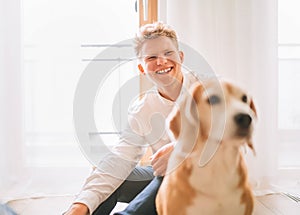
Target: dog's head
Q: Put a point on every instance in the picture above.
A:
(216, 110)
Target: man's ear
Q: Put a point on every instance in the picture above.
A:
(141, 69)
(181, 55)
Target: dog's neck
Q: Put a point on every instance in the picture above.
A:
(217, 152)
(208, 151)
(185, 147)
(203, 149)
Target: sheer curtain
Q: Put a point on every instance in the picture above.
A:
(239, 40)
(10, 94)
(44, 48)
(16, 179)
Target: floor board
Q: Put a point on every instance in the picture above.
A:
(277, 204)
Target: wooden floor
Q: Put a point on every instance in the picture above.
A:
(276, 204)
(264, 205)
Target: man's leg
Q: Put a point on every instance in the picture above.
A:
(132, 186)
(144, 203)
(5, 210)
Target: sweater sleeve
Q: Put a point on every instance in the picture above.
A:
(113, 169)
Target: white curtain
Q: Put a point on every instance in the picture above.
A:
(239, 40)
(39, 154)
(10, 94)
(17, 180)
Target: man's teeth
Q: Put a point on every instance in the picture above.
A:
(164, 71)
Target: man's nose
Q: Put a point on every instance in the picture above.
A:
(161, 60)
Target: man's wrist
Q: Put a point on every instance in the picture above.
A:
(78, 208)
(82, 207)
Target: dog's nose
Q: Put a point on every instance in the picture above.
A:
(243, 120)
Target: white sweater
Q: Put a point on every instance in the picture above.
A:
(146, 127)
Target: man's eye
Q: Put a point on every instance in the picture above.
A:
(168, 53)
(149, 58)
(214, 100)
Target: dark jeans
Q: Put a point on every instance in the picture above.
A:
(5, 210)
(139, 190)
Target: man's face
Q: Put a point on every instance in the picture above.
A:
(161, 61)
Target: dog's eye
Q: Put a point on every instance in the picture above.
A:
(214, 100)
(245, 98)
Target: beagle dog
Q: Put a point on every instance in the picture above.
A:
(206, 173)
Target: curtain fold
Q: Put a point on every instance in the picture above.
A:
(239, 40)
(11, 136)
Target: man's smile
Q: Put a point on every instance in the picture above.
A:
(164, 71)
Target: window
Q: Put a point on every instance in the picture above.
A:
(288, 82)
(59, 38)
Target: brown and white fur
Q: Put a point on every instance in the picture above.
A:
(206, 172)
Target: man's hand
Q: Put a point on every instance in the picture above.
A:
(77, 209)
(159, 160)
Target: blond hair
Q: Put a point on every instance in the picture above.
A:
(152, 31)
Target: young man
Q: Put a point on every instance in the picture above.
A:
(117, 178)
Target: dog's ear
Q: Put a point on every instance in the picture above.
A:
(249, 141)
(253, 108)
(186, 114)
(189, 108)
(196, 92)
(175, 122)
(250, 145)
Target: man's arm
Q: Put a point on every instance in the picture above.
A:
(110, 173)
